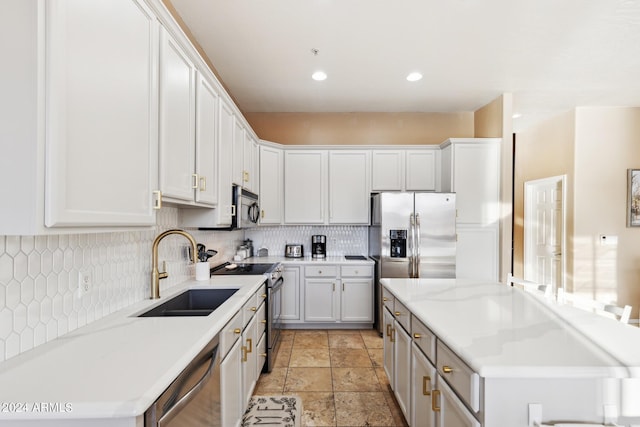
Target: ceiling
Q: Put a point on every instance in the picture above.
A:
(552, 55)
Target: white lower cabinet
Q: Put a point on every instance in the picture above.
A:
(450, 411)
(335, 293)
(423, 380)
(231, 387)
(290, 293)
(402, 368)
(388, 345)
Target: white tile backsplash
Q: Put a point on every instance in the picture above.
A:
(39, 298)
(341, 240)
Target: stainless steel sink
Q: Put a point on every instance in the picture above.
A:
(193, 302)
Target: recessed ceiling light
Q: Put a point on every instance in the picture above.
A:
(414, 77)
(319, 76)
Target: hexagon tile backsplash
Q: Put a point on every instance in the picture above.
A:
(39, 296)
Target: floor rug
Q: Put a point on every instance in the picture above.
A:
(282, 411)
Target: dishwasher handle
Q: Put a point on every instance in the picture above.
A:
(172, 407)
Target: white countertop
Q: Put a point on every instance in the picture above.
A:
(304, 260)
(119, 365)
(503, 332)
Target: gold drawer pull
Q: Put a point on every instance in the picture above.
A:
(264, 296)
(263, 321)
(393, 334)
(388, 329)
(435, 397)
(237, 331)
(426, 381)
(253, 308)
(417, 336)
(250, 342)
(263, 354)
(385, 299)
(397, 313)
(244, 353)
(447, 369)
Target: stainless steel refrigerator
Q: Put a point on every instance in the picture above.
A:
(412, 235)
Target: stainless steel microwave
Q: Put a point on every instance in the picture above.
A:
(247, 209)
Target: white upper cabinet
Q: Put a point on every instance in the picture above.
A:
(271, 171)
(238, 153)
(81, 148)
(420, 170)
(177, 121)
(250, 175)
(387, 170)
(404, 170)
(471, 169)
(305, 186)
(349, 186)
(206, 137)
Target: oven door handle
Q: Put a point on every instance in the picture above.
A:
(278, 283)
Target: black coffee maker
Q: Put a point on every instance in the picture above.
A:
(318, 246)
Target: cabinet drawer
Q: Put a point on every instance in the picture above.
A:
(460, 377)
(356, 271)
(424, 338)
(387, 299)
(402, 315)
(321, 271)
(230, 334)
(261, 294)
(249, 309)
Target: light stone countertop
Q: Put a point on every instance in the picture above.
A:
(115, 367)
(504, 332)
(304, 260)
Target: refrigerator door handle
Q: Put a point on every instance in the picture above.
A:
(412, 245)
(417, 248)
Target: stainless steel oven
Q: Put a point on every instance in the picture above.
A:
(193, 398)
(273, 275)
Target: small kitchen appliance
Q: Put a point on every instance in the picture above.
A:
(318, 246)
(293, 250)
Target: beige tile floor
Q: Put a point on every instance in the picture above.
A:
(339, 376)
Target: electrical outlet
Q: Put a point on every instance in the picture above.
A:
(84, 281)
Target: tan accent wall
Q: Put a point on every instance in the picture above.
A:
(607, 144)
(360, 128)
(494, 120)
(544, 151)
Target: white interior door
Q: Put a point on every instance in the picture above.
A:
(544, 231)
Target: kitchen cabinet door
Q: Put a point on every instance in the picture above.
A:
(231, 386)
(420, 170)
(271, 182)
(238, 153)
(320, 303)
(423, 381)
(477, 252)
(349, 186)
(305, 186)
(290, 293)
(225, 153)
(206, 139)
(387, 170)
(249, 359)
(389, 341)
(177, 121)
(450, 411)
(250, 176)
(356, 304)
(101, 120)
(402, 368)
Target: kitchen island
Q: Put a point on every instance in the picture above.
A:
(109, 372)
(497, 356)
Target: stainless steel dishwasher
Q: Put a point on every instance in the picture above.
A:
(193, 398)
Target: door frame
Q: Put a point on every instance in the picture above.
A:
(530, 224)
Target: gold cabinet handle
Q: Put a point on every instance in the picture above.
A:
(263, 354)
(265, 321)
(237, 331)
(245, 176)
(244, 353)
(253, 309)
(417, 336)
(203, 183)
(250, 342)
(397, 313)
(426, 382)
(447, 369)
(263, 296)
(385, 299)
(435, 397)
(393, 335)
(194, 180)
(262, 213)
(388, 330)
